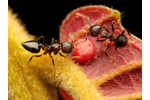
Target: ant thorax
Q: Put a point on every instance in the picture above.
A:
(104, 34)
(53, 48)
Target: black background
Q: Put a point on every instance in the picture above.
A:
(44, 17)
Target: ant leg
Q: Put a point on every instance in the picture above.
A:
(62, 55)
(119, 52)
(106, 28)
(127, 32)
(53, 62)
(106, 49)
(84, 40)
(36, 56)
(68, 55)
(101, 40)
(112, 25)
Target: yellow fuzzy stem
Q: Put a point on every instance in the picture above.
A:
(23, 83)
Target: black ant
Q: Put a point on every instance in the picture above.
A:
(35, 46)
(95, 30)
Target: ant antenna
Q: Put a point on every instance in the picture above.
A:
(123, 14)
(128, 33)
(71, 38)
(41, 37)
(82, 41)
(84, 17)
(52, 42)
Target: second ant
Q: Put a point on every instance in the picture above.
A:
(94, 30)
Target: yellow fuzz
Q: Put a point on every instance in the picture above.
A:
(23, 83)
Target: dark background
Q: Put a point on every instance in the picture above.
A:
(44, 17)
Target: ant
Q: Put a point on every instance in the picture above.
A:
(95, 30)
(35, 46)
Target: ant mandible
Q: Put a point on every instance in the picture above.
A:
(35, 46)
(95, 30)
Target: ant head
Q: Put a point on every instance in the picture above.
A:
(31, 46)
(94, 30)
(121, 41)
(67, 47)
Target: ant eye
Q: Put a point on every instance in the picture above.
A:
(94, 30)
(67, 47)
(31, 46)
(121, 41)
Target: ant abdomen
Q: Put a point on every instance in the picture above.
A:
(31, 46)
(121, 41)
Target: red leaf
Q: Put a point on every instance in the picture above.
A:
(116, 76)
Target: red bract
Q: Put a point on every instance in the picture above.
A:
(84, 50)
(115, 76)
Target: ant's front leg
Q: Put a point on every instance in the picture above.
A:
(62, 55)
(106, 28)
(69, 56)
